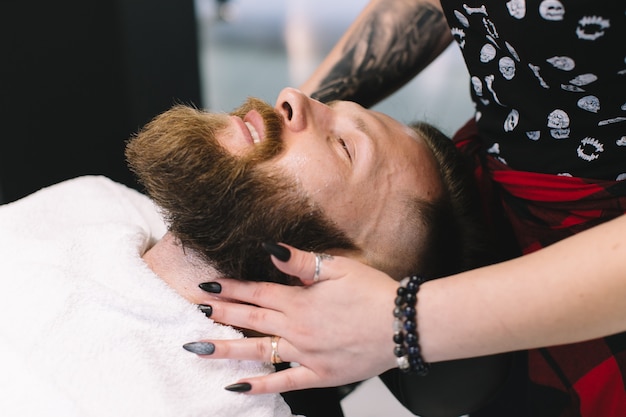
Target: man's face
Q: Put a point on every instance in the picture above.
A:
(359, 166)
(228, 182)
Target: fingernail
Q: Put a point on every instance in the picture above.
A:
(212, 287)
(239, 387)
(280, 252)
(200, 348)
(206, 309)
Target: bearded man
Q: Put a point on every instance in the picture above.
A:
(102, 282)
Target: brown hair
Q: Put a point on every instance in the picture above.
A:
(453, 225)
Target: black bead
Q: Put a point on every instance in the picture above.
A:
(414, 351)
(410, 326)
(411, 299)
(398, 338)
(412, 287)
(399, 351)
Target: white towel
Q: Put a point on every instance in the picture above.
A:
(87, 329)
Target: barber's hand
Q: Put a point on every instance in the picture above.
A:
(339, 330)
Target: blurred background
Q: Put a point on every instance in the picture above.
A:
(265, 46)
(78, 77)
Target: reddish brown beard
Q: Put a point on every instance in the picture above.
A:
(223, 206)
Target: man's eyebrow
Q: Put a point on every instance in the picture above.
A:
(360, 123)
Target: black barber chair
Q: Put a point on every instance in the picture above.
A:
(78, 77)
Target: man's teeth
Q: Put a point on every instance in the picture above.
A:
(253, 133)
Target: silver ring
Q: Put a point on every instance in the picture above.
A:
(319, 257)
(275, 357)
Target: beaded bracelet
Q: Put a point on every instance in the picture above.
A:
(407, 349)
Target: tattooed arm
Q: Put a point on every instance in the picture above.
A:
(386, 46)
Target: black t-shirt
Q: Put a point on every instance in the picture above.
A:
(548, 78)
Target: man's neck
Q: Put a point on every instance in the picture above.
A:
(182, 269)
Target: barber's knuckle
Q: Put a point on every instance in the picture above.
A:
(291, 383)
(301, 333)
(256, 316)
(263, 348)
(261, 291)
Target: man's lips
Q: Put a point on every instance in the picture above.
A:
(241, 125)
(256, 126)
(249, 131)
(253, 133)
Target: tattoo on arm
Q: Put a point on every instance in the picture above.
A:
(384, 53)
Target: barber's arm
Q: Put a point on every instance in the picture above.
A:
(340, 329)
(385, 47)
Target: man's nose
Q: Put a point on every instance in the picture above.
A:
(301, 112)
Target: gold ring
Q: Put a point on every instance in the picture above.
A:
(275, 357)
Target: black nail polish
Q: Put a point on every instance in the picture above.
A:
(200, 348)
(280, 252)
(206, 309)
(239, 387)
(212, 287)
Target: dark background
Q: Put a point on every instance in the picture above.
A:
(78, 78)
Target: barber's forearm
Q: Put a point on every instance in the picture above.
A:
(571, 291)
(384, 48)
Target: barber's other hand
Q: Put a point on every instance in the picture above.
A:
(339, 330)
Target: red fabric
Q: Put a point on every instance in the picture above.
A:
(543, 187)
(543, 209)
(597, 389)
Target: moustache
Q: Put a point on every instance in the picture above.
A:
(273, 123)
